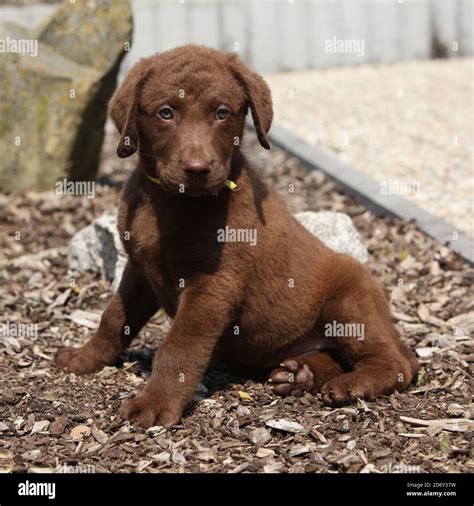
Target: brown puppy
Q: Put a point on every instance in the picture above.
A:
(262, 292)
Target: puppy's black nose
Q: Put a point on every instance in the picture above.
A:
(197, 167)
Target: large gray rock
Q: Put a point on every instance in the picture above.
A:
(54, 92)
(336, 231)
(98, 247)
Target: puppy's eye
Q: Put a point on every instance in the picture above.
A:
(222, 113)
(166, 113)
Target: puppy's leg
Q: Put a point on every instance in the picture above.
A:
(374, 375)
(380, 363)
(203, 315)
(304, 374)
(131, 307)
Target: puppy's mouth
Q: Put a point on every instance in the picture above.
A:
(196, 189)
(193, 187)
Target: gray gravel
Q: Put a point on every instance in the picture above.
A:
(404, 122)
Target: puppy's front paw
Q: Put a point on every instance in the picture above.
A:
(346, 389)
(83, 360)
(146, 410)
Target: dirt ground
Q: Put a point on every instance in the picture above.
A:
(58, 422)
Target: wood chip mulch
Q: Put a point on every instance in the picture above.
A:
(57, 422)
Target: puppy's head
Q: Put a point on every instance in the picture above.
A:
(184, 111)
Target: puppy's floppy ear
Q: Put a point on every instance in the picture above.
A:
(258, 96)
(123, 108)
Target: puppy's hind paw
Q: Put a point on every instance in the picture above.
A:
(346, 389)
(293, 378)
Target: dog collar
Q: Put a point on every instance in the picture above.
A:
(230, 184)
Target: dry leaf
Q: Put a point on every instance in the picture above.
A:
(244, 396)
(80, 432)
(40, 426)
(286, 426)
(454, 425)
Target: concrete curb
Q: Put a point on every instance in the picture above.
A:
(367, 190)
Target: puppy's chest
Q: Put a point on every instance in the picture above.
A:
(169, 249)
(141, 238)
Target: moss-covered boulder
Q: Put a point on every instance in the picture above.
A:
(53, 100)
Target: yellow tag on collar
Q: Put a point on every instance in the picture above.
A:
(153, 179)
(230, 184)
